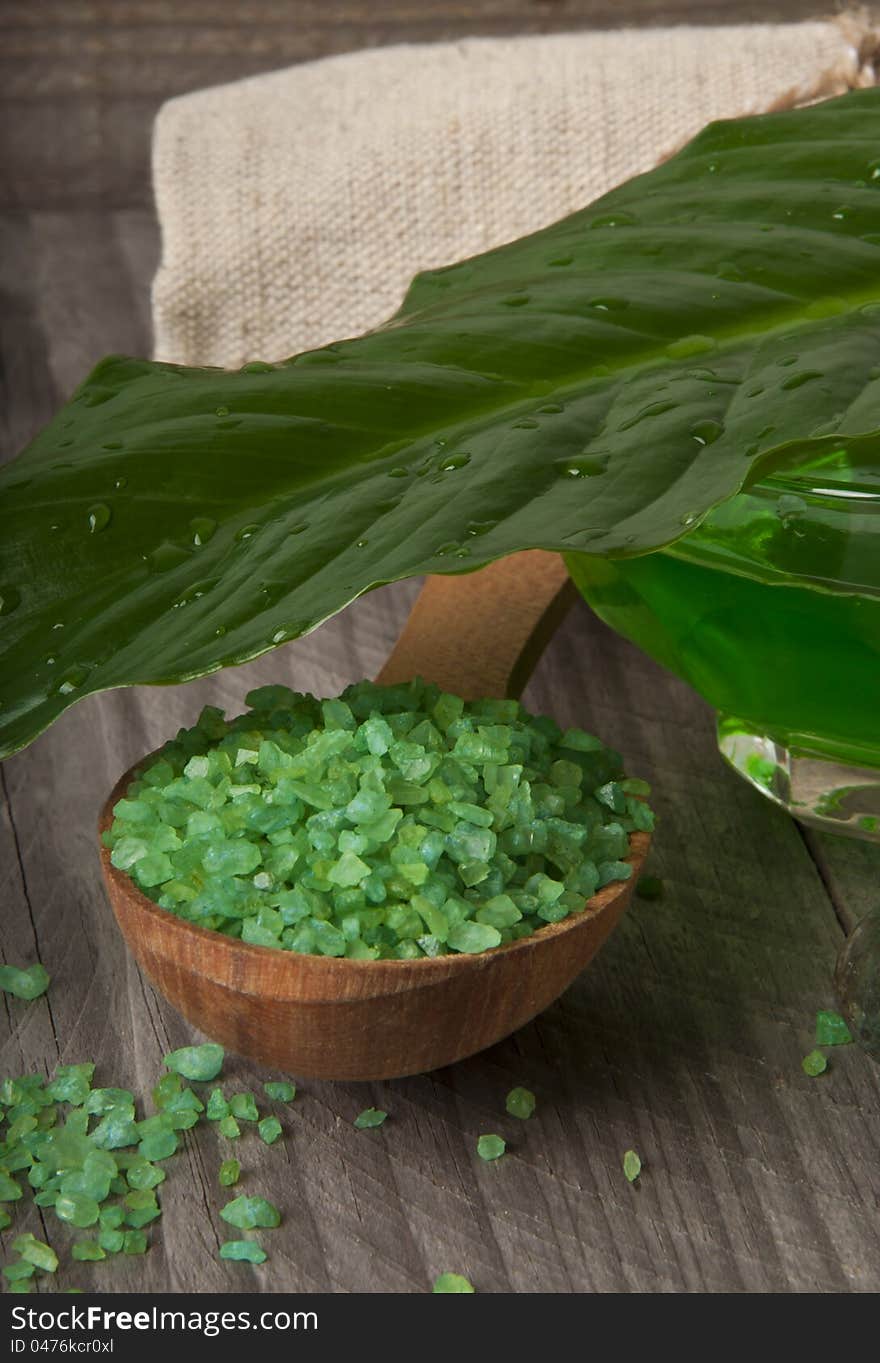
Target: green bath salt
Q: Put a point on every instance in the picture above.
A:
(245, 1251)
(247, 1212)
(392, 823)
(520, 1103)
(229, 1173)
(24, 982)
(831, 1029)
(280, 1090)
(84, 1160)
(196, 1062)
(270, 1129)
(632, 1165)
(370, 1117)
(452, 1282)
(814, 1064)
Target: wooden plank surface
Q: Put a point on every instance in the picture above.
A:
(80, 80)
(683, 1041)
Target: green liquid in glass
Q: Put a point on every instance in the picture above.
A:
(771, 610)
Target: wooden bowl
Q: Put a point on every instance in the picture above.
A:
(330, 1018)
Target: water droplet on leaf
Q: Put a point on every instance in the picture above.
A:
(203, 528)
(166, 556)
(100, 516)
(653, 409)
(798, 380)
(193, 593)
(72, 679)
(585, 466)
(619, 219)
(706, 432)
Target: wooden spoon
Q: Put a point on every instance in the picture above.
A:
(476, 634)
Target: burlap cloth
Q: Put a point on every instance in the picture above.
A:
(295, 207)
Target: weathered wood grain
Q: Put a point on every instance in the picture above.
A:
(683, 1040)
(80, 80)
(851, 872)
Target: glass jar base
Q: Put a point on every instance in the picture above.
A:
(839, 796)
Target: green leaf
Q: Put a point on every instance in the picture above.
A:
(596, 387)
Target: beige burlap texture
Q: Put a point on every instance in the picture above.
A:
(295, 207)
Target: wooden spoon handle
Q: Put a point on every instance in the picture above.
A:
(481, 634)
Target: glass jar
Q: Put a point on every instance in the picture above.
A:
(771, 610)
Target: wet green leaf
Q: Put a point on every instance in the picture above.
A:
(596, 387)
